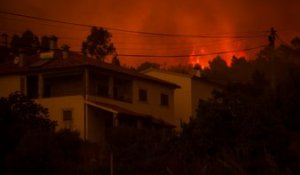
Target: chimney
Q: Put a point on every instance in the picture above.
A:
(65, 51)
(53, 42)
(197, 70)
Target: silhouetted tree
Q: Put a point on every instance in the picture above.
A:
(240, 70)
(296, 42)
(241, 131)
(15, 44)
(30, 145)
(218, 64)
(45, 43)
(61, 153)
(217, 71)
(20, 116)
(98, 44)
(139, 151)
(28, 43)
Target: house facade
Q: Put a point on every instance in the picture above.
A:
(89, 96)
(193, 88)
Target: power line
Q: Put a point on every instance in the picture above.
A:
(178, 46)
(193, 55)
(137, 33)
(130, 31)
(282, 41)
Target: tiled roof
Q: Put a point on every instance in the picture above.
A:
(74, 60)
(121, 110)
(185, 75)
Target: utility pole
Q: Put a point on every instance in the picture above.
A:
(272, 38)
(115, 123)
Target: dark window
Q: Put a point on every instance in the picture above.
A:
(164, 100)
(122, 90)
(32, 86)
(68, 118)
(47, 90)
(143, 96)
(109, 123)
(67, 115)
(99, 84)
(102, 90)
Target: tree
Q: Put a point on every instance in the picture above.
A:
(30, 145)
(28, 43)
(240, 70)
(139, 151)
(20, 116)
(296, 42)
(61, 153)
(98, 44)
(217, 71)
(241, 130)
(15, 44)
(218, 64)
(45, 43)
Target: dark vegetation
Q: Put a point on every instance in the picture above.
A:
(30, 145)
(97, 45)
(250, 127)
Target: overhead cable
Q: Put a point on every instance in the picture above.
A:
(130, 31)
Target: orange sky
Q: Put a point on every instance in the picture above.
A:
(195, 17)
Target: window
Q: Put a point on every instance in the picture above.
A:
(32, 86)
(47, 90)
(68, 118)
(164, 100)
(143, 96)
(122, 90)
(102, 89)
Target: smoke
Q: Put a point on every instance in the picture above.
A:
(208, 17)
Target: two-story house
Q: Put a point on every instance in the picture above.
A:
(193, 88)
(90, 96)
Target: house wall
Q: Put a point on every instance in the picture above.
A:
(152, 106)
(56, 105)
(98, 121)
(182, 96)
(9, 84)
(200, 90)
(64, 85)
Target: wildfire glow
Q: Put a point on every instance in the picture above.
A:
(197, 55)
(196, 58)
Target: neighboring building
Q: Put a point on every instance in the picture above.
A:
(92, 97)
(193, 88)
